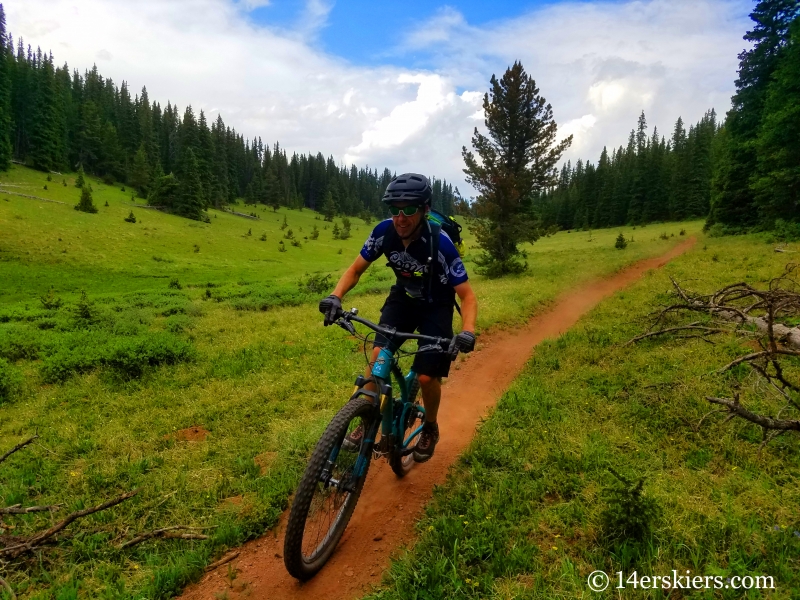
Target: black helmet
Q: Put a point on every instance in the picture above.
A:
(408, 187)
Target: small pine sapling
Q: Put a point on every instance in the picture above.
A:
(86, 204)
(130, 218)
(621, 242)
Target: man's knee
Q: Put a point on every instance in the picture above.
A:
(427, 380)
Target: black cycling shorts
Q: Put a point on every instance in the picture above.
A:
(410, 315)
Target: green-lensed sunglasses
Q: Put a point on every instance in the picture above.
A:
(406, 210)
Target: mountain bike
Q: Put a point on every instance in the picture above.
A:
(335, 475)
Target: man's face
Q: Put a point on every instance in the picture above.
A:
(405, 226)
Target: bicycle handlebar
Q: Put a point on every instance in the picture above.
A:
(444, 345)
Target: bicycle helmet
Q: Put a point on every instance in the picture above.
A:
(408, 187)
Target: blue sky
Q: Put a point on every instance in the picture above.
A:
(369, 32)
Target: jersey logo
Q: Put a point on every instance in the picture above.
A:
(407, 263)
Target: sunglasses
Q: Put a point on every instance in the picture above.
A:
(406, 210)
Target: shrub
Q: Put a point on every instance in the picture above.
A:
(49, 177)
(785, 231)
(621, 242)
(10, 381)
(314, 233)
(285, 223)
(717, 230)
(315, 284)
(663, 236)
(84, 309)
(50, 301)
(263, 237)
(130, 357)
(249, 232)
(281, 247)
(196, 248)
(296, 243)
(629, 514)
(108, 179)
(175, 284)
(682, 232)
(19, 343)
(45, 187)
(289, 234)
(85, 204)
(130, 218)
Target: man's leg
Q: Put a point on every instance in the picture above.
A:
(431, 395)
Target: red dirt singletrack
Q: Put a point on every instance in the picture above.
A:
(389, 507)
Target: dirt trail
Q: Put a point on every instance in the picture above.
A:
(379, 526)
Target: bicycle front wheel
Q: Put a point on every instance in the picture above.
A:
(328, 491)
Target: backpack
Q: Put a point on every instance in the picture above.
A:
(436, 222)
(450, 226)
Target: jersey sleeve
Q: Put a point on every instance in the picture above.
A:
(373, 247)
(453, 270)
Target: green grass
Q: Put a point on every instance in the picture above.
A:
(227, 338)
(530, 509)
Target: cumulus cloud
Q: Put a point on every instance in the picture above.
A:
(599, 64)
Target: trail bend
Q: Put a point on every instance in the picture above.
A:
(378, 527)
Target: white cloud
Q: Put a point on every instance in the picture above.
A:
(598, 64)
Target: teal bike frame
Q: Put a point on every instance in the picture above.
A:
(394, 412)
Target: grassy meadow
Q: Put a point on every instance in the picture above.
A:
(188, 360)
(532, 507)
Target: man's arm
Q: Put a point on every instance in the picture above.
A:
(350, 277)
(469, 306)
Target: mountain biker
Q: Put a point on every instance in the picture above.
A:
(424, 296)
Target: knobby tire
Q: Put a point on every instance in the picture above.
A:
(300, 565)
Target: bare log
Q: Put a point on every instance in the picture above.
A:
(35, 540)
(737, 409)
(223, 561)
(19, 446)
(18, 510)
(166, 532)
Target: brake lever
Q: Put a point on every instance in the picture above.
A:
(452, 350)
(346, 325)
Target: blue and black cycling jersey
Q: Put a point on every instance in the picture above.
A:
(411, 264)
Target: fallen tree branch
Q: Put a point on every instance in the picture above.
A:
(19, 446)
(31, 542)
(737, 409)
(691, 327)
(18, 510)
(223, 561)
(166, 532)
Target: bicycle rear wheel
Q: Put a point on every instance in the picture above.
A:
(328, 492)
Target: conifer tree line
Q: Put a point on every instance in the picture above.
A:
(743, 174)
(56, 120)
(650, 179)
(757, 177)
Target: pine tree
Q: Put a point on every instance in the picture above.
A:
(80, 180)
(189, 202)
(5, 95)
(733, 199)
(515, 163)
(140, 172)
(329, 207)
(777, 184)
(86, 204)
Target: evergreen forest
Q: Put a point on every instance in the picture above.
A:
(54, 119)
(742, 174)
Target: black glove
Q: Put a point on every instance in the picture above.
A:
(465, 341)
(331, 307)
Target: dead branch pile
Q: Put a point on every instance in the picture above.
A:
(766, 317)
